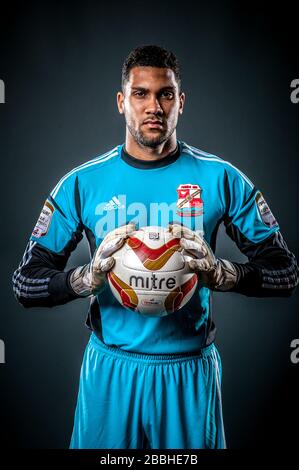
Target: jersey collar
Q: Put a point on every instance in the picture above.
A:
(147, 165)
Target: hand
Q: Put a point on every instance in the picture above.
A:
(214, 273)
(90, 278)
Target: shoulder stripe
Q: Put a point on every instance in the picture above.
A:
(214, 158)
(95, 161)
(202, 153)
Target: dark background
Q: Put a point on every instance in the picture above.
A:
(61, 66)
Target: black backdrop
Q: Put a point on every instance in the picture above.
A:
(60, 63)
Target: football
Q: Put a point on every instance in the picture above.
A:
(151, 274)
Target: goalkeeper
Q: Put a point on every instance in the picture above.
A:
(152, 382)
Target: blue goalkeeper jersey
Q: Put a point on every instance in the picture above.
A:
(189, 186)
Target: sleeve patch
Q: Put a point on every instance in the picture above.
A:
(264, 211)
(43, 223)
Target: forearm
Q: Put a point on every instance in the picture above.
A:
(40, 280)
(60, 289)
(267, 277)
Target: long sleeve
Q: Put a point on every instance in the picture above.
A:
(40, 279)
(272, 269)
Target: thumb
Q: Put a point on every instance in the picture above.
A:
(198, 264)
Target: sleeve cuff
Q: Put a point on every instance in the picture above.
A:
(60, 288)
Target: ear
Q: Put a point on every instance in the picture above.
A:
(182, 102)
(120, 102)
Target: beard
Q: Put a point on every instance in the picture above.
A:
(150, 141)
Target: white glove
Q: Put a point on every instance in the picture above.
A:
(214, 273)
(90, 278)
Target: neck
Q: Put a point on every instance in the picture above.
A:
(142, 152)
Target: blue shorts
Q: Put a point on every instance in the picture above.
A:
(138, 401)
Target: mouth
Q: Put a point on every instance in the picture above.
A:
(153, 124)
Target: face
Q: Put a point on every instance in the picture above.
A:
(151, 103)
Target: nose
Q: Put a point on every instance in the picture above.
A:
(153, 106)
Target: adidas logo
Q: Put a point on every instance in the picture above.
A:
(113, 204)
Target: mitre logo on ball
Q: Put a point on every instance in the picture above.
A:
(151, 274)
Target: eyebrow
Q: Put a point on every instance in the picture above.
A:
(140, 88)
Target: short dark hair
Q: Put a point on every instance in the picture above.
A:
(150, 56)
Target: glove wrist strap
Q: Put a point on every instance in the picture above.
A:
(79, 281)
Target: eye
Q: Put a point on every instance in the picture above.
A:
(138, 93)
(167, 94)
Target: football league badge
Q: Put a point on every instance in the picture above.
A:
(43, 223)
(264, 211)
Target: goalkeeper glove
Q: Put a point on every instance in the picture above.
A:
(90, 278)
(214, 273)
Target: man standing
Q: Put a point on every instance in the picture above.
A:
(152, 382)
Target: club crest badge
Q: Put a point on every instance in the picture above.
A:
(189, 203)
(264, 211)
(43, 223)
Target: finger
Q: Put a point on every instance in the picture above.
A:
(110, 247)
(196, 249)
(184, 232)
(103, 266)
(198, 265)
(123, 230)
(179, 231)
(106, 264)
